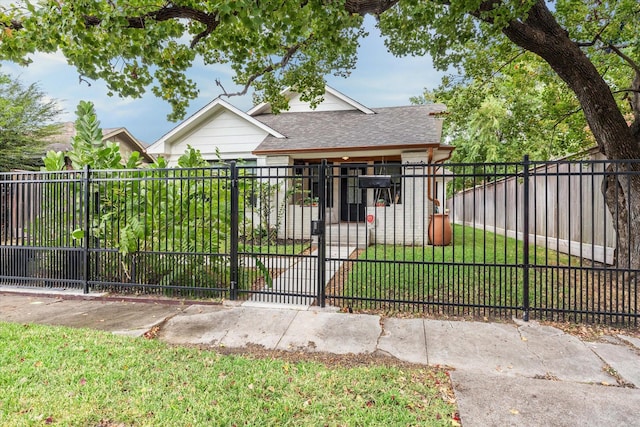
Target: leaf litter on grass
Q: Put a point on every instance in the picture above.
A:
(94, 378)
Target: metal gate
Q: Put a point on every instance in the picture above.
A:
(278, 218)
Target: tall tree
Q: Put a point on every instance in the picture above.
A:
(497, 111)
(142, 43)
(26, 123)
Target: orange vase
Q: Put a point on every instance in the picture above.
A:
(439, 229)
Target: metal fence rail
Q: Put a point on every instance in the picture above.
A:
(492, 240)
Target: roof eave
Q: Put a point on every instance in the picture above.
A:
(281, 151)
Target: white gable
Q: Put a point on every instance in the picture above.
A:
(332, 101)
(218, 125)
(233, 136)
(329, 103)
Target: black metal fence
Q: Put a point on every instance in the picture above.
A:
(491, 240)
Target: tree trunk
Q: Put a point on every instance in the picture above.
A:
(541, 34)
(621, 190)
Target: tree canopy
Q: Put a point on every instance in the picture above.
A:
(142, 44)
(500, 111)
(26, 121)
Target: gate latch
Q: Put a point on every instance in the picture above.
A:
(317, 228)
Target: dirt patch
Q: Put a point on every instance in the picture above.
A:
(328, 359)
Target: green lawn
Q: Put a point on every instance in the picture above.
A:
(478, 268)
(70, 377)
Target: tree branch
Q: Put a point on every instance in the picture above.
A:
(626, 59)
(566, 116)
(374, 7)
(595, 38)
(166, 13)
(283, 63)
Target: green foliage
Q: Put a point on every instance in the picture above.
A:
(144, 44)
(26, 124)
(183, 213)
(295, 45)
(88, 148)
(141, 44)
(499, 116)
(54, 160)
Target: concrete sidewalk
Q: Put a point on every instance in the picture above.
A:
(504, 374)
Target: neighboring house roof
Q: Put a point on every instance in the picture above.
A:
(62, 141)
(390, 127)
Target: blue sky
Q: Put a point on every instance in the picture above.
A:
(379, 80)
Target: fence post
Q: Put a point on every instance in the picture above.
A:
(87, 229)
(233, 256)
(525, 239)
(322, 249)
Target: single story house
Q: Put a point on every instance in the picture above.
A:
(354, 139)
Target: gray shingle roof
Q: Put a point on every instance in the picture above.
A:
(319, 130)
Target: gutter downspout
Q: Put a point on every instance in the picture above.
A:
(431, 181)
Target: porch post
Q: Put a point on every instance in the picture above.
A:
(416, 205)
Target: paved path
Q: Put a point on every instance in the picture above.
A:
(300, 277)
(504, 374)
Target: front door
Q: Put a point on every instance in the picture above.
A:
(352, 197)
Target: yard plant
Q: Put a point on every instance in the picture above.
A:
(77, 377)
(157, 226)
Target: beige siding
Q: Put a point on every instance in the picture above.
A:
(232, 135)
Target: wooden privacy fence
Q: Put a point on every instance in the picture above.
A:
(20, 196)
(565, 204)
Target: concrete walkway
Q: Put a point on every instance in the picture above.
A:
(504, 374)
(300, 278)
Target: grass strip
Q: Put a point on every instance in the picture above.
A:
(77, 377)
